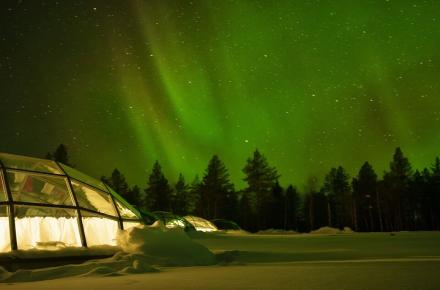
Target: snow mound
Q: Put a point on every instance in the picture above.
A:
(165, 247)
(347, 230)
(332, 231)
(141, 248)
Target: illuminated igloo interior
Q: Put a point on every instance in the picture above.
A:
(48, 205)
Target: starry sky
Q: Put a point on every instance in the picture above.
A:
(312, 84)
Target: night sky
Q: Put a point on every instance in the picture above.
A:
(312, 84)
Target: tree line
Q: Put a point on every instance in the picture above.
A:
(402, 199)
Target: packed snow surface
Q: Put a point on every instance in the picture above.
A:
(403, 260)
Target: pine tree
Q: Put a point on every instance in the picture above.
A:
(194, 197)
(420, 200)
(158, 191)
(427, 202)
(117, 182)
(277, 207)
(435, 194)
(261, 179)
(136, 197)
(217, 192)
(246, 217)
(307, 222)
(314, 211)
(397, 182)
(337, 189)
(365, 206)
(181, 197)
(321, 212)
(292, 205)
(59, 155)
(308, 204)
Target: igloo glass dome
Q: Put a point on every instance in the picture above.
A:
(48, 205)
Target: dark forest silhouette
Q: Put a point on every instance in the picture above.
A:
(403, 199)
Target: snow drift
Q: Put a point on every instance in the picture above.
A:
(332, 231)
(142, 248)
(166, 247)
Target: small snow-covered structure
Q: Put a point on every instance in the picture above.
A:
(200, 224)
(46, 205)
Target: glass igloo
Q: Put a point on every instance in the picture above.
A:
(48, 205)
(200, 224)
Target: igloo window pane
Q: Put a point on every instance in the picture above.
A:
(99, 230)
(39, 188)
(83, 177)
(93, 199)
(46, 228)
(3, 196)
(29, 163)
(5, 240)
(124, 211)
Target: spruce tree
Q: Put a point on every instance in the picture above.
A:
(61, 155)
(397, 183)
(427, 202)
(136, 197)
(158, 190)
(435, 194)
(217, 192)
(194, 206)
(261, 179)
(291, 208)
(245, 213)
(118, 183)
(419, 198)
(181, 197)
(308, 204)
(314, 211)
(277, 207)
(337, 190)
(365, 206)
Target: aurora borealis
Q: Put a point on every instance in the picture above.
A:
(312, 84)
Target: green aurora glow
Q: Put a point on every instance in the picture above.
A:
(312, 84)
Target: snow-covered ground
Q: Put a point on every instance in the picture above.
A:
(160, 259)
